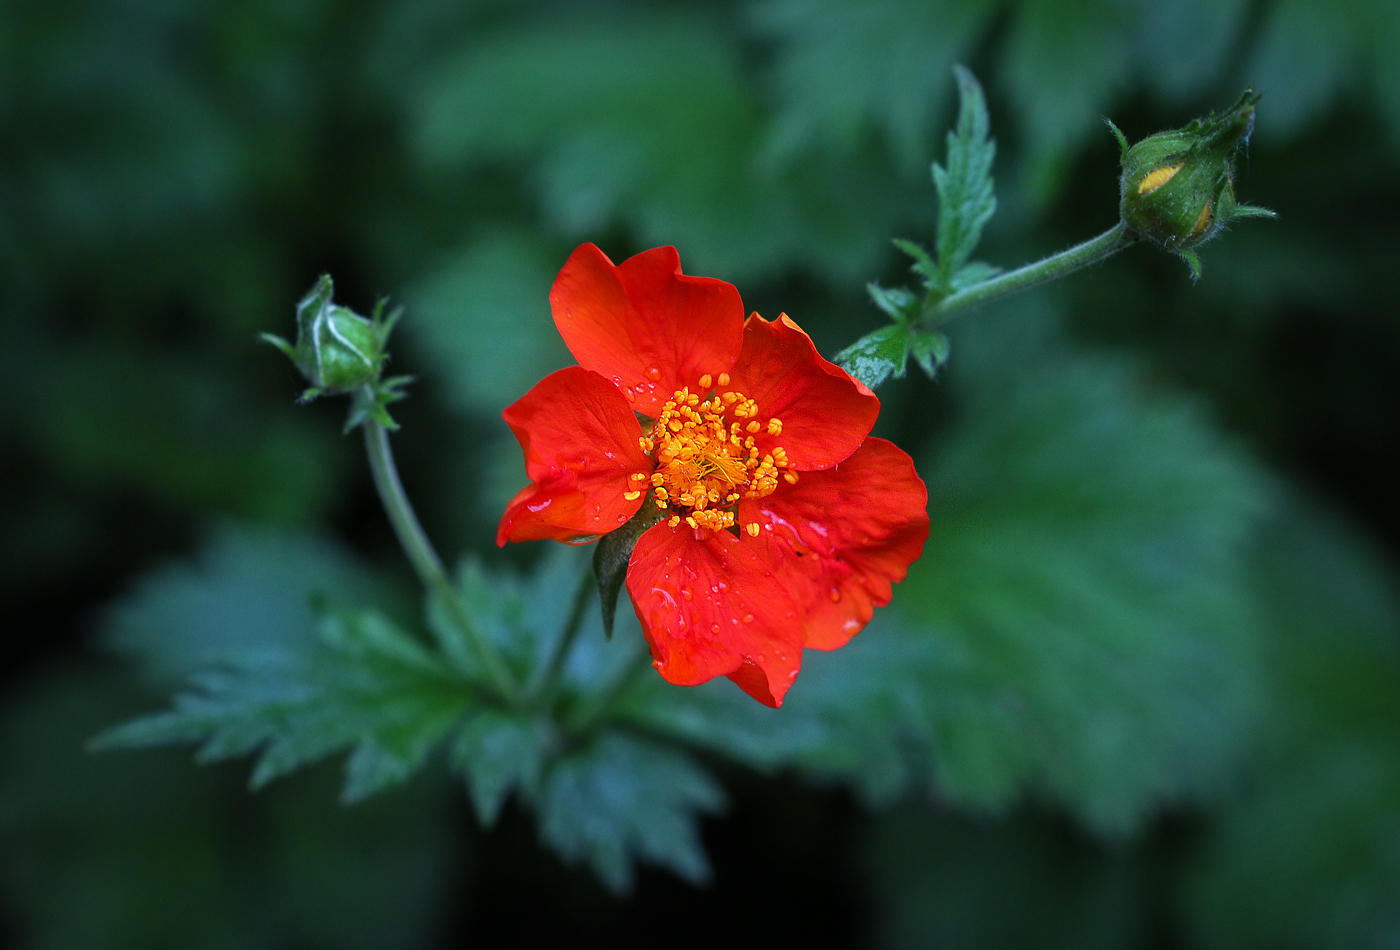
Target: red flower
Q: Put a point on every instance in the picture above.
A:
(779, 523)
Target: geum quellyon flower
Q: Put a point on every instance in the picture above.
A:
(779, 523)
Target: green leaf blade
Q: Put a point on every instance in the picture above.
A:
(620, 800)
(966, 194)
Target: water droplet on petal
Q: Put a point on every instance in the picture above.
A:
(631, 396)
(653, 374)
(685, 592)
(621, 519)
(748, 618)
(835, 595)
(714, 628)
(723, 586)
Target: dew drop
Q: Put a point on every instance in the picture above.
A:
(714, 628)
(621, 519)
(631, 396)
(748, 618)
(722, 586)
(617, 380)
(835, 595)
(653, 374)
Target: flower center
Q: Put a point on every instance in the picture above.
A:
(707, 459)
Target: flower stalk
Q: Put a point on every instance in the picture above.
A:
(545, 680)
(1042, 271)
(424, 558)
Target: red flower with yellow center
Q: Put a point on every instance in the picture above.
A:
(779, 523)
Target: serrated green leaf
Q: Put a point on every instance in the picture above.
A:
(876, 356)
(1084, 585)
(246, 590)
(481, 321)
(930, 350)
(366, 686)
(966, 196)
(498, 753)
(845, 68)
(1309, 855)
(621, 800)
(649, 123)
(898, 302)
(973, 272)
(924, 265)
(1063, 63)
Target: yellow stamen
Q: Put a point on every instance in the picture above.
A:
(775, 426)
(706, 463)
(724, 379)
(632, 495)
(752, 529)
(705, 381)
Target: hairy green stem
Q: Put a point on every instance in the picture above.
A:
(1024, 278)
(546, 676)
(424, 559)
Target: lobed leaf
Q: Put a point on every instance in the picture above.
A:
(498, 753)
(966, 196)
(885, 352)
(621, 799)
(1309, 855)
(365, 686)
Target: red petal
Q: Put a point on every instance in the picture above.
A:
(644, 325)
(712, 608)
(824, 412)
(580, 441)
(839, 538)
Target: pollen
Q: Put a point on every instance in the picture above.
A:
(707, 461)
(632, 495)
(723, 379)
(752, 529)
(705, 381)
(1157, 178)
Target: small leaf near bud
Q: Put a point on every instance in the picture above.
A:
(1177, 188)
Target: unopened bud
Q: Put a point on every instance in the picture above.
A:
(337, 350)
(1177, 188)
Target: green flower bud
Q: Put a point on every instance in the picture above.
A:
(1177, 188)
(337, 350)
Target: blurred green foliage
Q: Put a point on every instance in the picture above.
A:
(1141, 690)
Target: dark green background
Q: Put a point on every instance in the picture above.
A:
(173, 176)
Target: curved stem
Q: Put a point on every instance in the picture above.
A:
(1024, 278)
(546, 675)
(424, 559)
